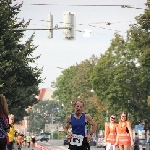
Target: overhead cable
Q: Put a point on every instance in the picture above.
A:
(91, 5)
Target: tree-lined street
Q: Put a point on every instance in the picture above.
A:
(115, 81)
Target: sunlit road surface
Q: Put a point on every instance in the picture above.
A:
(58, 145)
(60, 148)
(55, 145)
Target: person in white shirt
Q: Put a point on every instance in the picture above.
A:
(148, 138)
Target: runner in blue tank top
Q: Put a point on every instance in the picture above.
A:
(79, 136)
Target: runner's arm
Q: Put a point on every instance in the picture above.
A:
(67, 124)
(94, 125)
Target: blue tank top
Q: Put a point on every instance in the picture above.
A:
(79, 126)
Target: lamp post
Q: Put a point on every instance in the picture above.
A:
(106, 121)
(52, 125)
(128, 107)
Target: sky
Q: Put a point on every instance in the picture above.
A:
(60, 53)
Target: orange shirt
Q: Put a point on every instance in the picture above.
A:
(122, 128)
(19, 138)
(123, 136)
(111, 133)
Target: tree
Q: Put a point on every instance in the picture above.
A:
(121, 77)
(20, 80)
(42, 113)
(109, 77)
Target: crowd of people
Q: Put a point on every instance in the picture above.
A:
(9, 137)
(22, 140)
(117, 135)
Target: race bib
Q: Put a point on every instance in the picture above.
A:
(76, 140)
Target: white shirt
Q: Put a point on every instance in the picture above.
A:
(148, 138)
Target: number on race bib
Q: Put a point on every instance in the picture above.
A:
(76, 140)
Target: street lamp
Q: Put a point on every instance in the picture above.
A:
(106, 121)
(92, 91)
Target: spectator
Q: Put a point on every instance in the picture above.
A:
(136, 142)
(148, 141)
(124, 134)
(148, 138)
(28, 140)
(19, 140)
(33, 140)
(11, 132)
(25, 141)
(4, 122)
(111, 133)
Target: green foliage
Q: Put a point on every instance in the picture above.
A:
(42, 113)
(20, 80)
(55, 135)
(121, 78)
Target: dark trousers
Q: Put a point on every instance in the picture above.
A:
(2, 144)
(136, 147)
(9, 146)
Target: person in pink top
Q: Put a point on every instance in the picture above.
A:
(4, 122)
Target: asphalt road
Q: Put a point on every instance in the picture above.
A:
(56, 145)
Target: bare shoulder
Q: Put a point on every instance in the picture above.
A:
(68, 119)
(88, 118)
(128, 123)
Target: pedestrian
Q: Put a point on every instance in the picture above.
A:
(33, 141)
(28, 140)
(4, 122)
(124, 135)
(136, 142)
(148, 141)
(80, 135)
(111, 134)
(25, 141)
(148, 138)
(19, 141)
(11, 133)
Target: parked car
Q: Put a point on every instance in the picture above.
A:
(101, 143)
(66, 141)
(42, 138)
(93, 141)
(143, 142)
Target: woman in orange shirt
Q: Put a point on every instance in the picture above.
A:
(111, 133)
(124, 134)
